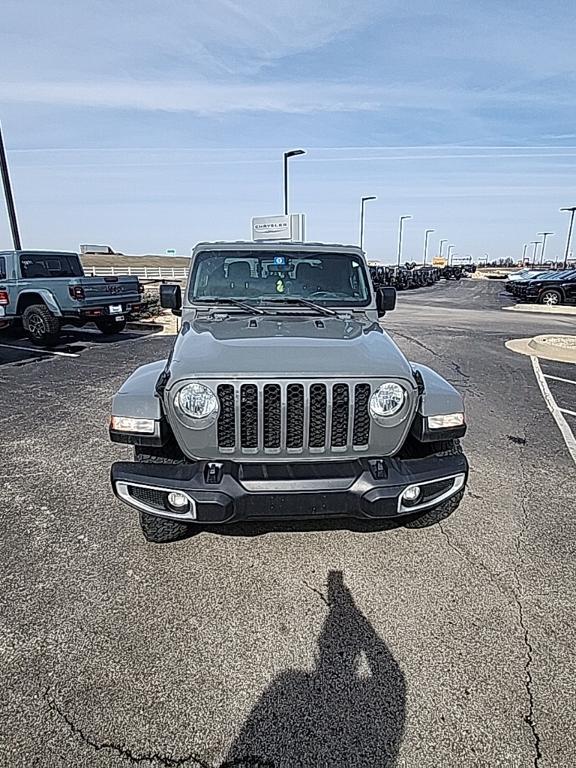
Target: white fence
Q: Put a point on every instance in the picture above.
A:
(146, 273)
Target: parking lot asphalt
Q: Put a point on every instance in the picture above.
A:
(312, 645)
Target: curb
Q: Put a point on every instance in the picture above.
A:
(137, 325)
(559, 348)
(541, 309)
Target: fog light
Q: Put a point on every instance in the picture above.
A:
(178, 502)
(411, 494)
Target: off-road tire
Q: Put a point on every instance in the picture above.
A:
(161, 530)
(40, 325)
(108, 326)
(440, 512)
(550, 297)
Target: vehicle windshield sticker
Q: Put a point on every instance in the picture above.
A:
(279, 286)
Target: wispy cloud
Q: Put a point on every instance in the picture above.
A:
(213, 98)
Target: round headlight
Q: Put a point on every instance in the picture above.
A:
(387, 399)
(197, 401)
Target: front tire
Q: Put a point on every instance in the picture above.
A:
(550, 297)
(435, 515)
(40, 325)
(161, 530)
(108, 326)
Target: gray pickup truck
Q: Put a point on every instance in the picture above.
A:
(283, 397)
(45, 290)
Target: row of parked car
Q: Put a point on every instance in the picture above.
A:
(550, 287)
(413, 276)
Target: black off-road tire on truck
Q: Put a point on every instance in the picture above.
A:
(108, 326)
(442, 511)
(162, 530)
(41, 326)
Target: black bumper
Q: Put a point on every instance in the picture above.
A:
(222, 492)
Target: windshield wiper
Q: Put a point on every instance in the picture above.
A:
(303, 303)
(235, 302)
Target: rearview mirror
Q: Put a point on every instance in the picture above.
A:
(385, 300)
(170, 297)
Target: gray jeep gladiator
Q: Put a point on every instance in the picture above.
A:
(45, 290)
(283, 397)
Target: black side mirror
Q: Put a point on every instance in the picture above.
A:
(385, 300)
(171, 297)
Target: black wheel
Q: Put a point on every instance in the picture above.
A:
(436, 514)
(161, 530)
(40, 325)
(550, 297)
(109, 325)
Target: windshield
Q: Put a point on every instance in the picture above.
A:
(259, 276)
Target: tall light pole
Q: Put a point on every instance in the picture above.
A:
(362, 216)
(400, 226)
(427, 234)
(441, 246)
(9, 199)
(449, 254)
(287, 155)
(569, 238)
(544, 236)
(524, 253)
(535, 243)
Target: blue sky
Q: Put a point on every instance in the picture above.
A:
(153, 125)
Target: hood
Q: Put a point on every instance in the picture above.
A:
(284, 346)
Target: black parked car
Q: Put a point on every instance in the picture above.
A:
(551, 288)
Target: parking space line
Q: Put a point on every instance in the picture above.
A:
(41, 351)
(559, 378)
(556, 412)
(565, 410)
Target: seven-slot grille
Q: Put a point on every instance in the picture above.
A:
(293, 416)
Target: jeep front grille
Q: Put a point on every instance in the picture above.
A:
(297, 417)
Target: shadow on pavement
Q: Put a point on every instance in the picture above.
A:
(15, 347)
(348, 711)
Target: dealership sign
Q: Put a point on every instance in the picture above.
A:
(278, 227)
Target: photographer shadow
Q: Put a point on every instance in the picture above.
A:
(349, 711)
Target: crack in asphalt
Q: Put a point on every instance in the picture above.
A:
(125, 752)
(529, 717)
(321, 595)
(246, 761)
(513, 596)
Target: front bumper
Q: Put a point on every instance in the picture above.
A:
(222, 492)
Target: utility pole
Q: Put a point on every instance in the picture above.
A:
(8, 196)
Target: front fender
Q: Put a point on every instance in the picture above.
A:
(137, 396)
(439, 397)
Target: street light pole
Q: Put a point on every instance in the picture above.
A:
(8, 196)
(400, 226)
(449, 254)
(535, 243)
(569, 237)
(544, 236)
(362, 216)
(287, 155)
(427, 234)
(441, 246)
(524, 253)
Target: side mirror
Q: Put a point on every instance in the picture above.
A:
(171, 297)
(385, 300)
